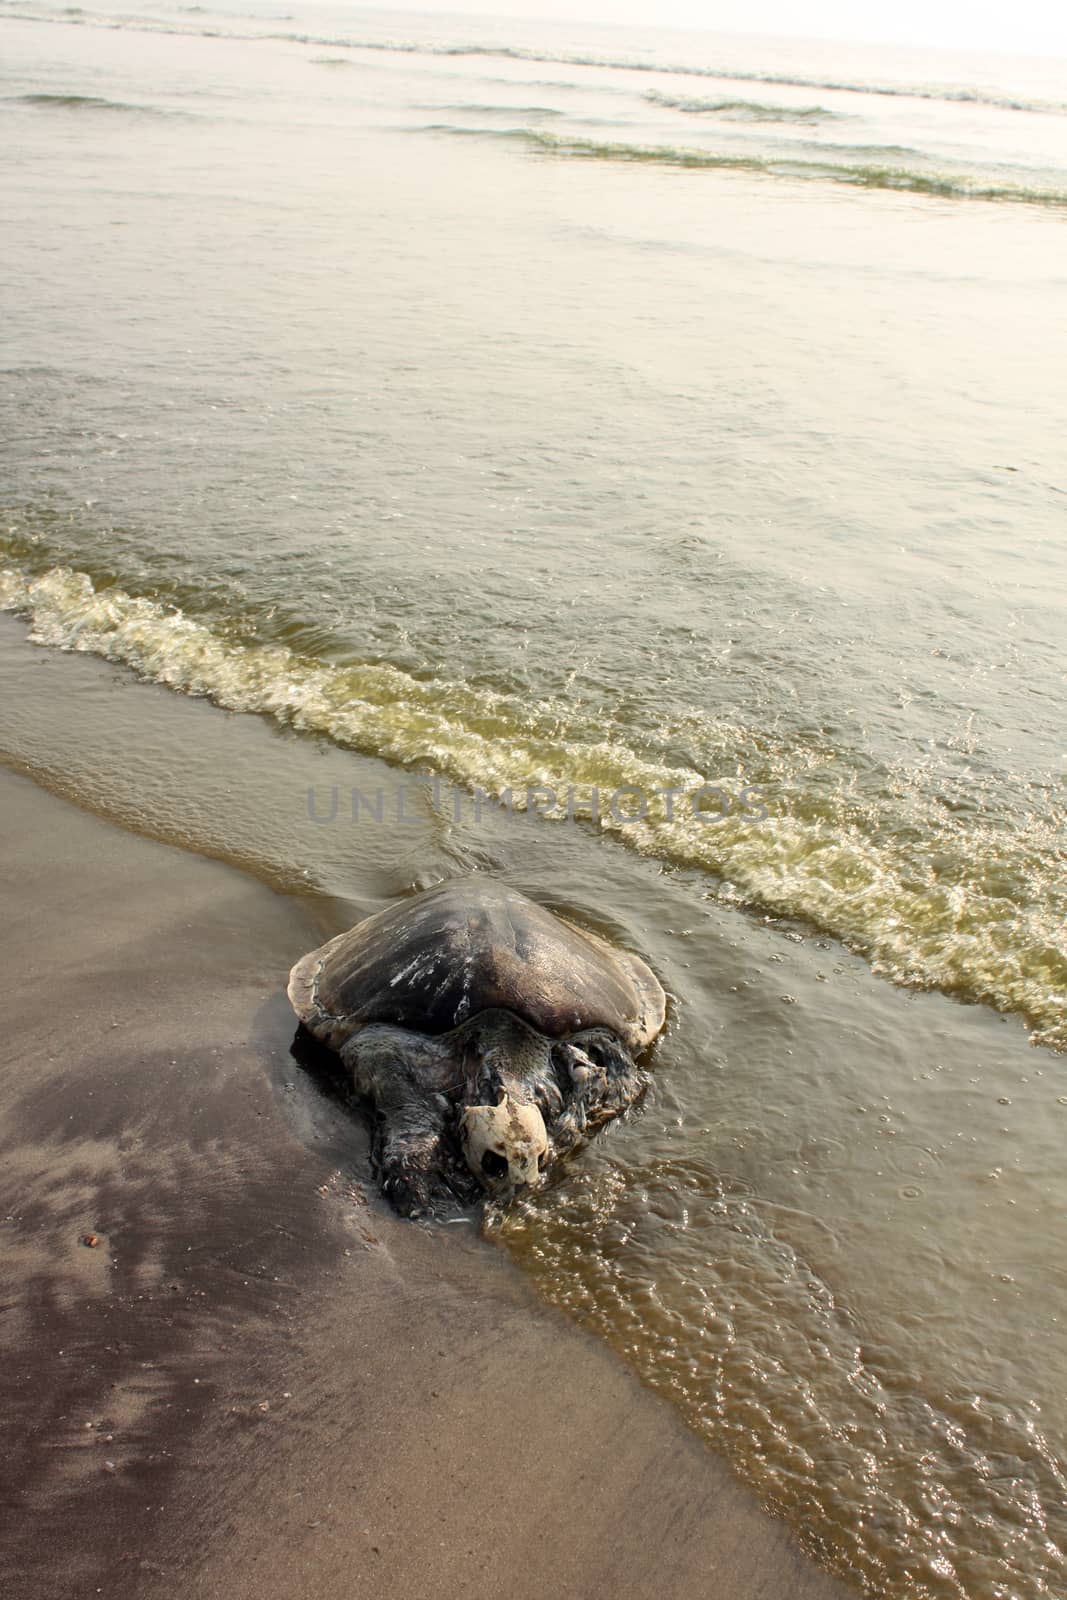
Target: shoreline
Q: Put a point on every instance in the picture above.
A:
(258, 1380)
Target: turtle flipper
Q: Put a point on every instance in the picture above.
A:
(411, 1169)
(397, 1070)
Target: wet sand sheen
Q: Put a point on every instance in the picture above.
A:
(257, 1379)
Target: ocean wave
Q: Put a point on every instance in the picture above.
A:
(863, 175)
(742, 110)
(474, 109)
(962, 93)
(88, 102)
(953, 927)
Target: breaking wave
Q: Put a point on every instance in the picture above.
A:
(741, 110)
(857, 874)
(87, 102)
(862, 175)
(475, 109)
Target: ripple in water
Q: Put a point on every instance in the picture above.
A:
(920, 1495)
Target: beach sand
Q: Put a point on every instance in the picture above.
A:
(257, 1381)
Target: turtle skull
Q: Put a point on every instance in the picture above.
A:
(504, 1144)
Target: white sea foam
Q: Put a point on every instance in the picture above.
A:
(951, 927)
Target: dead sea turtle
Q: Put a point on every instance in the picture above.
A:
(490, 1035)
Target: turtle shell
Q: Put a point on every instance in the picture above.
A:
(472, 945)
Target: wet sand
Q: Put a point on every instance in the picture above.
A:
(256, 1380)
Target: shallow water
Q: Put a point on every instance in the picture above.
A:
(535, 415)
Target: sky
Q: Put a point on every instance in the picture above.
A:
(1026, 26)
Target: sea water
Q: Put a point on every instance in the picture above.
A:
(630, 463)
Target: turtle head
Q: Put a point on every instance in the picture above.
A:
(506, 1145)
